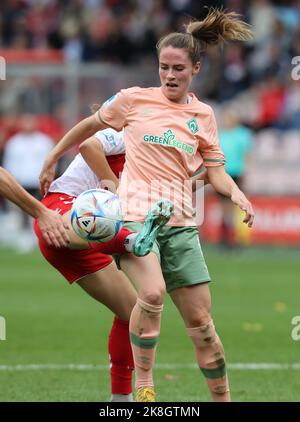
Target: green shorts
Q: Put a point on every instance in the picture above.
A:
(179, 252)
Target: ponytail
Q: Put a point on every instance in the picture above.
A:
(217, 27)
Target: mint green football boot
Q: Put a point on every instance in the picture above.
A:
(157, 217)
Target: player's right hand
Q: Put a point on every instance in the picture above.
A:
(53, 228)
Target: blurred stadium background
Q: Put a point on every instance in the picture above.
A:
(61, 58)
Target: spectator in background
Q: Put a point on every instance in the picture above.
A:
(235, 73)
(270, 102)
(261, 16)
(24, 155)
(8, 127)
(290, 118)
(236, 143)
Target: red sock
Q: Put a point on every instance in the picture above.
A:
(121, 360)
(114, 246)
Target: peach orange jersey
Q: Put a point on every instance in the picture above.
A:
(165, 144)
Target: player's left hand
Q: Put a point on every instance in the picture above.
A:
(239, 198)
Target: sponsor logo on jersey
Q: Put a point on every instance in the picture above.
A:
(169, 140)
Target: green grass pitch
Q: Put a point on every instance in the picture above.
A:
(255, 296)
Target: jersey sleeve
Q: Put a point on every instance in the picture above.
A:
(112, 141)
(115, 110)
(209, 146)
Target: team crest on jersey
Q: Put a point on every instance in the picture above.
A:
(109, 101)
(193, 125)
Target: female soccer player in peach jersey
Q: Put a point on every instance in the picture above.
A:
(169, 133)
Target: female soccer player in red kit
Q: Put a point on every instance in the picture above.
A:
(89, 265)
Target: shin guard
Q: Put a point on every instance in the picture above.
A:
(211, 359)
(144, 330)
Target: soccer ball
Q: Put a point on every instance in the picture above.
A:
(96, 215)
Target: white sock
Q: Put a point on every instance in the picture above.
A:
(129, 242)
(121, 398)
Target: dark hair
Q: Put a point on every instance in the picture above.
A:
(217, 27)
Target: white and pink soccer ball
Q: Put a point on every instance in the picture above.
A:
(96, 215)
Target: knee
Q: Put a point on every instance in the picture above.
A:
(154, 296)
(204, 335)
(199, 318)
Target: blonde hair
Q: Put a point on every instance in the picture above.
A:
(217, 27)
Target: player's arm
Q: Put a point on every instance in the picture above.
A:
(224, 184)
(83, 130)
(93, 153)
(50, 222)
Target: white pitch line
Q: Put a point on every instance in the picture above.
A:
(88, 367)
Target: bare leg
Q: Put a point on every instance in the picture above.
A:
(112, 288)
(144, 324)
(194, 304)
